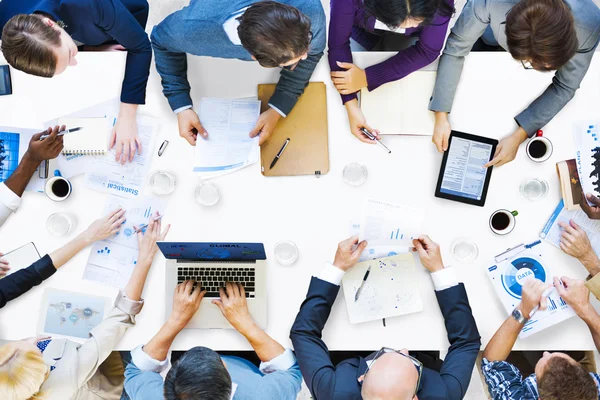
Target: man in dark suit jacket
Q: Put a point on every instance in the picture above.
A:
(394, 375)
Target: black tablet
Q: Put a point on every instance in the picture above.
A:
(5, 82)
(462, 176)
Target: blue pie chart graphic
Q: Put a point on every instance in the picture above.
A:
(519, 270)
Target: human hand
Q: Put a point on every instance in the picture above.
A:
(593, 212)
(190, 126)
(347, 255)
(507, 148)
(125, 135)
(234, 307)
(265, 125)
(531, 296)
(47, 149)
(441, 131)
(4, 267)
(575, 242)
(186, 302)
(104, 227)
(148, 237)
(429, 253)
(349, 81)
(357, 121)
(574, 293)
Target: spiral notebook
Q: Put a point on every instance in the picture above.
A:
(91, 140)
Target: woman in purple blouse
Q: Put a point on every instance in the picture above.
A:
(364, 21)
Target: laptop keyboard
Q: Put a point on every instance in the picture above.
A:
(214, 278)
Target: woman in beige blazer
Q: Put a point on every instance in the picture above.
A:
(68, 370)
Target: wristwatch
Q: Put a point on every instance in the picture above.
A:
(518, 315)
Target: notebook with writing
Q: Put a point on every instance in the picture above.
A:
(91, 140)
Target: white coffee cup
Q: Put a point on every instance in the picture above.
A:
(58, 188)
(502, 222)
(539, 148)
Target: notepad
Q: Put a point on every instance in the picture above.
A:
(21, 257)
(91, 140)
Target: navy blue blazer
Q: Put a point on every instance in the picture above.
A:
(340, 382)
(96, 22)
(19, 282)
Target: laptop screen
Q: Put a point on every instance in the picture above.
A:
(213, 251)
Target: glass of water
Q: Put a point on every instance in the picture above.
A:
(464, 250)
(286, 252)
(355, 174)
(161, 182)
(207, 194)
(534, 189)
(60, 224)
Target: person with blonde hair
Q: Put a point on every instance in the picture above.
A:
(59, 369)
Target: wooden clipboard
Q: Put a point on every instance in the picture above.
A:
(306, 126)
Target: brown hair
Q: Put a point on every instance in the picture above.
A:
(542, 32)
(274, 33)
(27, 45)
(563, 379)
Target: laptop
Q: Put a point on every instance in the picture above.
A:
(213, 264)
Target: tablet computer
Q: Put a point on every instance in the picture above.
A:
(462, 176)
(5, 81)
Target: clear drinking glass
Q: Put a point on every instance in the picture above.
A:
(207, 194)
(534, 189)
(161, 182)
(286, 252)
(355, 174)
(464, 250)
(60, 224)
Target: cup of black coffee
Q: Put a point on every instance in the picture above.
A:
(58, 188)
(539, 148)
(502, 222)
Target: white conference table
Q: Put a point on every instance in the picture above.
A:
(313, 212)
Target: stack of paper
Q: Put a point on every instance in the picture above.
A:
(229, 146)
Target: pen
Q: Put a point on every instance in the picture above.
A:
(373, 137)
(362, 283)
(141, 228)
(63, 132)
(279, 154)
(162, 148)
(545, 294)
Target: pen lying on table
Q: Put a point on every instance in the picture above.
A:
(63, 132)
(373, 137)
(141, 228)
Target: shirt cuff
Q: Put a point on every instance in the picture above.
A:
(9, 198)
(180, 109)
(331, 274)
(44, 267)
(282, 362)
(127, 305)
(278, 110)
(444, 279)
(593, 284)
(146, 363)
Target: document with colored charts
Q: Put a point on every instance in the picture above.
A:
(385, 223)
(14, 142)
(376, 251)
(586, 135)
(111, 261)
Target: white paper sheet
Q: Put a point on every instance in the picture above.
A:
(112, 261)
(375, 251)
(586, 135)
(384, 223)
(228, 147)
(107, 175)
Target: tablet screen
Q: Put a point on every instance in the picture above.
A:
(464, 175)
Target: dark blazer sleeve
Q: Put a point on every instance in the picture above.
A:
(14, 285)
(464, 339)
(311, 351)
(118, 22)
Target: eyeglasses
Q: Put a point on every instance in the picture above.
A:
(418, 364)
(294, 65)
(526, 64)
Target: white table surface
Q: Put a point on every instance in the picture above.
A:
(314, 213)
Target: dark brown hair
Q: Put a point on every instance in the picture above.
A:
(27, 45)
(542, 32)
(274, 33)
(563, 379)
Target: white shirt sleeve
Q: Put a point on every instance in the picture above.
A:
(282, 362)
(9, 202)
(278, 110)
(444, 279)
(146, 363)
(180, 109)
(331, 274)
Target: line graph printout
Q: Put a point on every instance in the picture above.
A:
(392, 289)
(587, 143)
(111, 261)
(385, 223)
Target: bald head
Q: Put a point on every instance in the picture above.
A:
(392, 377)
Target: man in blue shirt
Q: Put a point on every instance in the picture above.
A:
(201, 373)
(557, 376)
(287, 34)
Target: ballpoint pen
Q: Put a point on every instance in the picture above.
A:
(545, 295)
(279, 154)
(63, 132)
(362, 284)
(373, 137)
(141, 228)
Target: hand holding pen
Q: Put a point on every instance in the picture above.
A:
(374, 138)
(63, 132)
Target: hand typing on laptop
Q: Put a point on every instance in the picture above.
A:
(234, 307)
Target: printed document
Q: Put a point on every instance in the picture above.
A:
(587, 142)
(385, 223)
(229, 146)
(374, 251)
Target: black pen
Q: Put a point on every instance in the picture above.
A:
(373, 137)
(63, 132)
(362, 283)
(279, 154)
